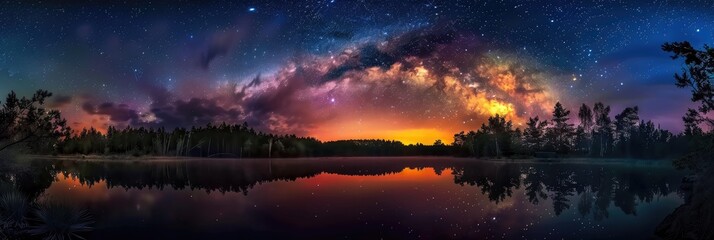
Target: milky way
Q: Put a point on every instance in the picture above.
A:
(411, 71)
(421, 85)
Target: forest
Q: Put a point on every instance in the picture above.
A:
(597, 135)
(224, 140)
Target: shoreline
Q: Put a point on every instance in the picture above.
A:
(149, 159)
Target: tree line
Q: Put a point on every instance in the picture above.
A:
(228, 140)
(596, 135)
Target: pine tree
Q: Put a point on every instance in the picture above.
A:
(533, 134)
(625, 124)
(497, 135)
(561, 132)
(25, 122)
(691, 123)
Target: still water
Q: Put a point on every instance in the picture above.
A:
(358, 198)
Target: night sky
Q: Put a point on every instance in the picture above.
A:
(414, 71)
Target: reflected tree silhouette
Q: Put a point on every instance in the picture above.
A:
(585, 204)
(592, 187)
(535, 188)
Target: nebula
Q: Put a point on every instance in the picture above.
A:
(416, 87)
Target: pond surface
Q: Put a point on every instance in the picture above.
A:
(358, 198)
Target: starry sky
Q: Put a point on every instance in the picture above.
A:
(414, 71)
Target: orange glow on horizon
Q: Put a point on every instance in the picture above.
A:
(425, 136)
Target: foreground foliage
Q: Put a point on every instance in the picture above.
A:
(24, 121)
(23, 218)
(694, 219)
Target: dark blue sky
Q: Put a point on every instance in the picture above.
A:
(127, 54)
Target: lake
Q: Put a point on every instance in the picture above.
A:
(358, 198)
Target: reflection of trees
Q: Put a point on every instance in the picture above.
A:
(598, 186)
(585, 203)
(561, 186)
(229, 175)
(535, 189)
(24, 215)
(593, 188)
(497, 181)
(603, 194)
(29, 179)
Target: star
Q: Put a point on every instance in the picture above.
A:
(187, 49)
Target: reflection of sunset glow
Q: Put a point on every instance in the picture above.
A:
(71, 186)
(470, 198)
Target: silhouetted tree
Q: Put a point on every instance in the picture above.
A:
(495, 138)
(584, 133)
(698, 75)
(464, 142)
(561, 132)
(625, 129)
(24, 121)
(693, 219)
(534, 133)
(603, 129)
(691, 123)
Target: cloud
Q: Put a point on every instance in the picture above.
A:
(116, 112)
(59, 101)
(195, 111)
(218, 45)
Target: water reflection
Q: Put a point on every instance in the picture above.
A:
(598, 186)
(358, 198)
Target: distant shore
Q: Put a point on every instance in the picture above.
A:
(148, 158)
